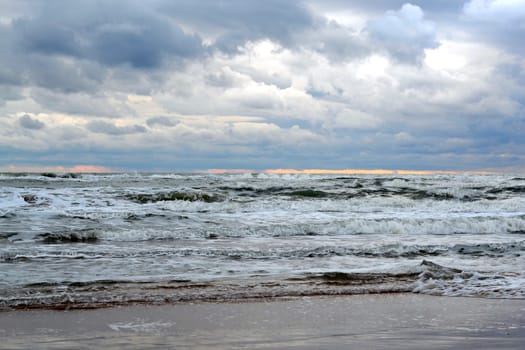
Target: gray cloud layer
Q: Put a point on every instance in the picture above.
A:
(27, 122)
(110, 33)
(102, 127)
(377, 83)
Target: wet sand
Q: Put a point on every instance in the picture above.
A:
(389, 321)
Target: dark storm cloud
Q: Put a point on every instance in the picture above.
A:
(291, 24)
(111, 33)
(380, 6)
(144, 34)
(8, 75)
(18, 67)
(335, 42)
(27, 122)
(10, 93)
(101, 127)
(42, 36)
(55, 73)
(241, 20)
(98, 35)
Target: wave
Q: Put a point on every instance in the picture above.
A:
(362, 278)
(476, 224)
(45, 176)
(360, 190)
(489, 250)
(507, 189)
(96, 294)
(5, 214)
(427, 277)
(61, 176)
(110, 215)
(416, 251)
(143, 198)
(439, 280)
(79, 236)
(132, 226)
(234, 237)
(153, 228)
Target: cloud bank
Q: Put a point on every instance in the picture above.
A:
(169, 85)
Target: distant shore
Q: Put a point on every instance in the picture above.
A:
(383, 321)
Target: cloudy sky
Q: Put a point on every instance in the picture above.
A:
(183, 84)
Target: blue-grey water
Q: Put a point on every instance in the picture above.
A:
(94, 240)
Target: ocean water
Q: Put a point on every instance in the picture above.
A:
(109, 239)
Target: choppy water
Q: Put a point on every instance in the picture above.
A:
(93, 240)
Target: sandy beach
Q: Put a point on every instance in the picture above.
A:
(390, 321)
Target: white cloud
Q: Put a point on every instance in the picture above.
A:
(404, 33)
(372, 67)
(445, 58)
(363, 84)
(500, 11)
(348, 118)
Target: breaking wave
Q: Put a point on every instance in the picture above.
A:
(426, 277)
(81, 236)
(108, 239)
(173, 196)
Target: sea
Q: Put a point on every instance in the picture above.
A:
(97, 240)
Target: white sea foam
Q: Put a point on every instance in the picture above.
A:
(162, 227)
(10, 199)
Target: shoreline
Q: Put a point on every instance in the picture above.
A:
(379, 321)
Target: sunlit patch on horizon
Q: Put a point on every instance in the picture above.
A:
(290, 171)
(229, 171)
(89, 169)
(357, 172)
(81, 168)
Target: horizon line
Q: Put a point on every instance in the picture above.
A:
(88, 168)
(378, 171)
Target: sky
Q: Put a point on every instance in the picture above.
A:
(173, 85)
